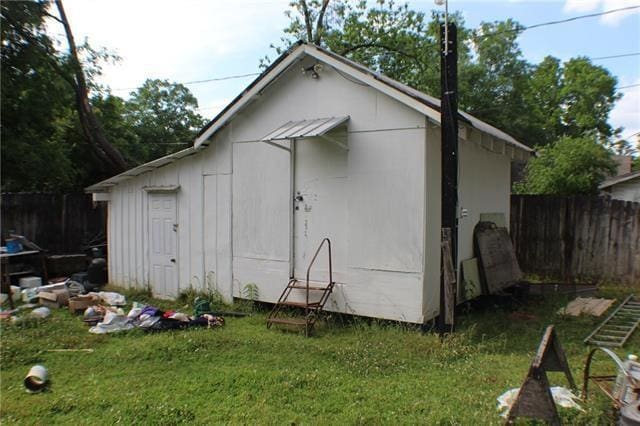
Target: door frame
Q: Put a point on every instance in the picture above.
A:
(292, 206)
(162, 190)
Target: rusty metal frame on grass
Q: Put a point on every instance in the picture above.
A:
(601, 381)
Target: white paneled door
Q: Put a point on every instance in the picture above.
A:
(163, 253)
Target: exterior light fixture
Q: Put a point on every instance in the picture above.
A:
(314, 69)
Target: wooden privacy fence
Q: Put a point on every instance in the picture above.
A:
(59, 223)
(577, 238)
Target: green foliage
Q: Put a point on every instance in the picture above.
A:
(251, 292)
(163, 117)
(544, 100)
(387, 37)
(536, 103)
(494, 77)
(43, 146)
(36, 103)
(195, 294)
(588, 95)
(569, 166)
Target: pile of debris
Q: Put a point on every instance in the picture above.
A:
(26, 266)
(103, 311)
(43, 297)
(110, 319)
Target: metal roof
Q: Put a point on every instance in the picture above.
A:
(305, 128)
(143, 168)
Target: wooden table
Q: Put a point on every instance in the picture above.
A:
(7, 258)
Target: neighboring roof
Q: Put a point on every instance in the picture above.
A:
(421, 102)
(305, 128)
(619, 179)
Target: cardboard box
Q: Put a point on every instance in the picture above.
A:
(78, 304)
(50, 300)
(62, 297)
(54, 298)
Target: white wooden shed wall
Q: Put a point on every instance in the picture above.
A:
(234, 196)
(204, 193)
(384, 257)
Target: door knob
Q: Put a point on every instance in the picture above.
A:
(173, 261)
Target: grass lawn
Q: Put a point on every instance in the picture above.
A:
(349, 372)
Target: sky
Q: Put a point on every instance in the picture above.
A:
(191, 40)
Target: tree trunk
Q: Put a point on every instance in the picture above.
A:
(88, 120)
(320, 24)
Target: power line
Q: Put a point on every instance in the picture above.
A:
(623, 55)
(230, 77)
(631, 135)
(561, 21)
(519, 29)
(575, 18)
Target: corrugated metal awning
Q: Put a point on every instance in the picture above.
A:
(305, 128)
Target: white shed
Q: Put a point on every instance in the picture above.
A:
(317, 146)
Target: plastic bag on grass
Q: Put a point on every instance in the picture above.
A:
(561, 396)
(111, 323)
(111, 298)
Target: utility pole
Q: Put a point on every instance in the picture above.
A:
(449, 164)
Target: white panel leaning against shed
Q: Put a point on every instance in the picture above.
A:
(318, 146)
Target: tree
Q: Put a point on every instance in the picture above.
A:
(404, 44)
(493, 83)
(35, 103)
(164, 118)
(567, 167)
(44, 147)
(588, 95)
(391, 39)
(110, 111)
(44, 141)
(537, 104)
(91, 126)
(312, 26)
(544, 99)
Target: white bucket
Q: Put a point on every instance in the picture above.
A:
(36, 379)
